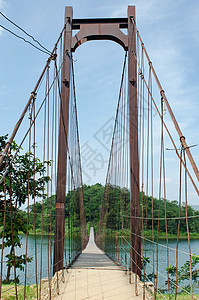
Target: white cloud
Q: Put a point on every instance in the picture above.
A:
(2, 4)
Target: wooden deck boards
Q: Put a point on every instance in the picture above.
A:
(94, 276)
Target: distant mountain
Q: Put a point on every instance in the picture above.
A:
(196, 207)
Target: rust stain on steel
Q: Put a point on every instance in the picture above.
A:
(59, 205)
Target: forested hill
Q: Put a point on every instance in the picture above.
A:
(93, 196)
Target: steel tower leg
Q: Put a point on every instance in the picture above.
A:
(134, 158)
(62, 147)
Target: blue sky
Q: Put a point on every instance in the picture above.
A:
(169, 29)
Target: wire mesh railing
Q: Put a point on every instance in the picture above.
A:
(167, 184)
(28, 176)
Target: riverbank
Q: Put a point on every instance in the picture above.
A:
(8, 292)
(179, 297)
(150, 235)
(162, 235)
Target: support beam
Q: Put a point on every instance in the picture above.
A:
(134, 158)
(62, 150)
(122, 22)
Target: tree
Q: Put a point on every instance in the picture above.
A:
(118, 207)
(47, 205)
(93, 195)
(183, 276)
(25, 178)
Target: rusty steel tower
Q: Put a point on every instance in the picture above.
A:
(90, 30)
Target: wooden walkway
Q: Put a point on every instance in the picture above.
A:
(94, 276)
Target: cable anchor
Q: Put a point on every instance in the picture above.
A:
(66, 83)
(163, 103)
(53, 56)
(31, 105)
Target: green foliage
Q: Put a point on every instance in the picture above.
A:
(172, 209)
(119, 204)
(183, 276)
(48, 217)
(72, 209)
(119, 201)
(47, 206)
(172, 297)
(119, 207)
(9, 293)
(24, 177)
(144, 262)
(93, 195)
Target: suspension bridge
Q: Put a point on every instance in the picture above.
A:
(41, 162)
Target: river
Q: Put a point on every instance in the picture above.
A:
(162, 257)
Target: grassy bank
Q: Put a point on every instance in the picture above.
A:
(149, 235)
(162, 235)
(179, 297)
(76, 231)
(8, 292)
(112, 233)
